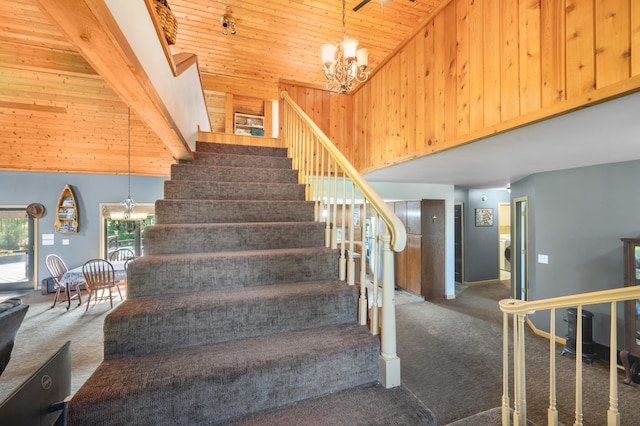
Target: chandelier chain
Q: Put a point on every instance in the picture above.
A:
(344, 19)
(129, 150)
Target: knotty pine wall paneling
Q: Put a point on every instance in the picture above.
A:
(332, 112)
(613, 44)
(530, 76)
(580, 47)
(509, 61)
(486, 66)
(491, 70)
(553, 52)
(476, 66)
(462, 68)
(635, 37)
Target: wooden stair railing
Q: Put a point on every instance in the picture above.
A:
(333, 184)
(519, 309)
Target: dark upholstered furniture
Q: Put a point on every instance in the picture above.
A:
(12, 312)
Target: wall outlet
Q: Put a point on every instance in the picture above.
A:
(543, 258)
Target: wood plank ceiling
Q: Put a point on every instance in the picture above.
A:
(58, 115)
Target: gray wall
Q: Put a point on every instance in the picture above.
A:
(576, 218)
(90, 190)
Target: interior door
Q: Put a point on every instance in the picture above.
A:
(519, 248)
(433, 249)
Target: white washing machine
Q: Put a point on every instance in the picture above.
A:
(505, 252)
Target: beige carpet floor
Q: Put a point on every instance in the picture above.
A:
(450, 355)
(45, 329)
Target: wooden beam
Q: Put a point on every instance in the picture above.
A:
(90, 27)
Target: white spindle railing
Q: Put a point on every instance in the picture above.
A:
(519, 310)
(333, 184)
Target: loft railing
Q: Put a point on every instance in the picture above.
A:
(519, 309)
(333, 184)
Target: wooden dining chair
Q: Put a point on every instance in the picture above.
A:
(122, 254)
(57, 268)
(100, 276)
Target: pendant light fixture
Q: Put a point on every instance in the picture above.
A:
(344, 64)
(129, 205)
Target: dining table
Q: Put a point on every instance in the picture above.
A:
(76, 276)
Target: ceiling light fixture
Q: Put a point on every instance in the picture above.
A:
(228, 24)
(129, 205)
(344, 64)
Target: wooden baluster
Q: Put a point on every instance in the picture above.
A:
(351, 278)
(517, 385)
(552, 412)
(309, 168)
(579, 414)
(506, 409)
(373, 265)
(613, 415)
(343, 235)
(327, 230)
(316, 187)
(334, 222)
(362, 305)
(323, 205)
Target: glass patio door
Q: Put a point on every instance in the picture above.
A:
(17, 244)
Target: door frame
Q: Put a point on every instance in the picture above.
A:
(32, 254)
(461, 240)
(520, 248)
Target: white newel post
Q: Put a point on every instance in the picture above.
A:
(389, 361)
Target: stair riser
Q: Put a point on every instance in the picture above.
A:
(199, 190)
(157, 275)
(232, 174)
(233, 319)
(223, 148)
(213, 238)
(254, 161)
(214, 399)
(232, 211)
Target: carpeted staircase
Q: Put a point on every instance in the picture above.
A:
(235, 314)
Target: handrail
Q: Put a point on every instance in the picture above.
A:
(519, 309)
(320, 166)
(513, 306)
(396, 229)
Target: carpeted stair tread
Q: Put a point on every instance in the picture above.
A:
(232, 211)
(223, 148)
(217, 237)
(208, 190)
(133, 328)
(185, 171)
(235, 308)
(360, 406)
(208, 384)
(247, 160)
(171, 274)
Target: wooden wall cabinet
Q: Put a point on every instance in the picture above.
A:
(631, 252)
(67, 212)
(420, 268)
